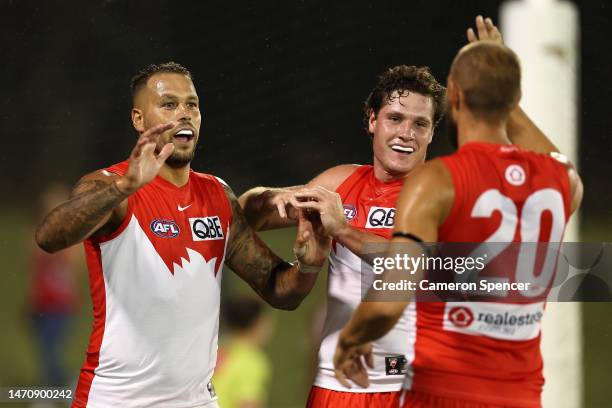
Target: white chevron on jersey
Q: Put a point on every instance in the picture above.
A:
(149, 315)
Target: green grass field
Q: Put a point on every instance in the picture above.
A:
(291, 349)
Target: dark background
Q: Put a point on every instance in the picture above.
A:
(276, 79)
(281, 86)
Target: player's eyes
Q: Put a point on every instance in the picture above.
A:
(192, 105)
(168, 105)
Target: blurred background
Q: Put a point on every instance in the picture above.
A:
(281, 86)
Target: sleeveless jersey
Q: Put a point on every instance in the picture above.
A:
(489, 352)
(369, 205)
(155, 285)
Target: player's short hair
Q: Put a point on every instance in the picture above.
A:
(140, 79)
(489, 75)
(402, 79)
(241, 313)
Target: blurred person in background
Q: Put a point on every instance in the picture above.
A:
(243, 372)
(487, 191)
(53, 295)
(156, 236)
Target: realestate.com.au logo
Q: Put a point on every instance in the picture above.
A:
(461, 316)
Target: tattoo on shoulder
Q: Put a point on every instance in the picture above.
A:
(239, 225)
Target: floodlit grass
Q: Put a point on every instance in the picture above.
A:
(291, 350)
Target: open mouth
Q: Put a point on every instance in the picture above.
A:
(184, 135)
(402, 149)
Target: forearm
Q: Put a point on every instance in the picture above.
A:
(371, 321)
(259, 213)
(380, 310)
(524, 133)
(359, 242)
(78, 218)
(288, 285)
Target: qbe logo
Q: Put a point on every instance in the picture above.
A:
(381, 217)
(165, 228)
(206, 228)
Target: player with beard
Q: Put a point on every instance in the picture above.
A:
(357, 207)
(156, 236)
(488, 191)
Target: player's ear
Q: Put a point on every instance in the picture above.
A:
(372, 122)
(452, 94)
(430, 137)
(518, 98)
(138, 120)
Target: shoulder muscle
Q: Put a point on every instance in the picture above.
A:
(333, 177)
(425, 200)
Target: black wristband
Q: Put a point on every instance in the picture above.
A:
(400, 234)
(407, 235)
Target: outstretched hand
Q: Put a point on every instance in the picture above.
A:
(284, 202)
(144, 164)
(327, 204)
(485, 31)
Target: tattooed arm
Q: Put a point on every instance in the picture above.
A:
(267, 208)
(98, 202)
(281, 284)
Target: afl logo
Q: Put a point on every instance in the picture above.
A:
(461, 316)
(515, 175)
(349, 211)
(165, 228)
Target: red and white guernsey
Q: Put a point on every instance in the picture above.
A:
(155, 285)
(369, 205)
(489, 352)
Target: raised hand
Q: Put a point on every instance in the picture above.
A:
(487, 31)
(329, 206)
(144, 164)
(312, 244)
(348, 364)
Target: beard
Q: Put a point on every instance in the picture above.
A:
(180, 159)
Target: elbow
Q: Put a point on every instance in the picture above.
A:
(291, 306)
(285, 304)
(44, 242)
(253, 220)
